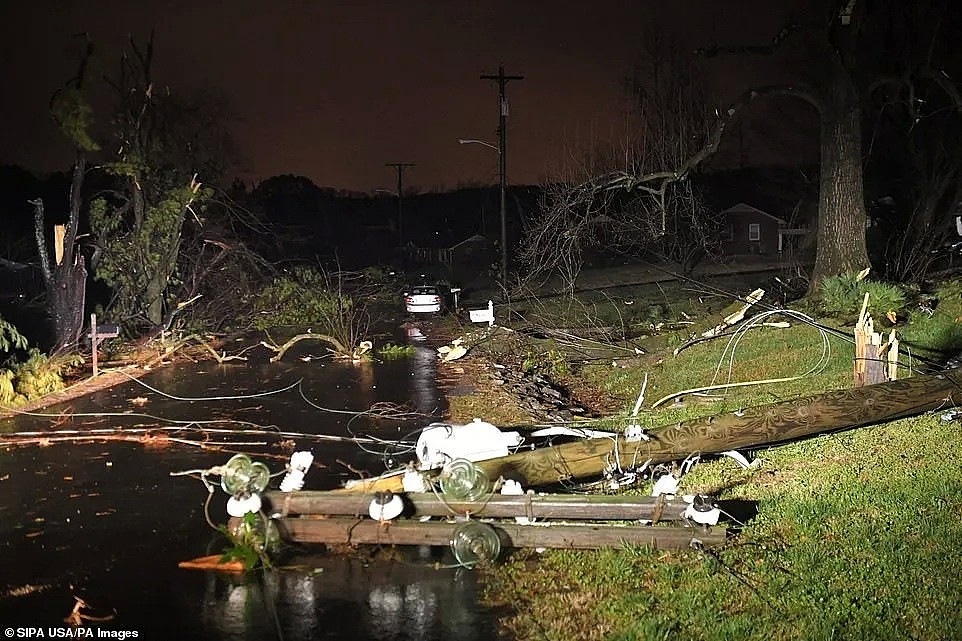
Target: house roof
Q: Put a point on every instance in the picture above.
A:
(470, 239)
(742, 208)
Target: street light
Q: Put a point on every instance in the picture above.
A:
(503, 191)
(465, 141)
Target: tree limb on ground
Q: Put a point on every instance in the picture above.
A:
(279, 351)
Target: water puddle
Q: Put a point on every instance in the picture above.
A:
(105, 522)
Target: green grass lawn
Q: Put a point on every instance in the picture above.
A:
(857, 534)
(857, 537)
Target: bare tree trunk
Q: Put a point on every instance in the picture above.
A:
(841, 204)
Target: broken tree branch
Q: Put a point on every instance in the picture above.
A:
(279, 351)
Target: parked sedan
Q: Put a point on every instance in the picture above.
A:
(423, 299)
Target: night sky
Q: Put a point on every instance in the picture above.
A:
(333, 90)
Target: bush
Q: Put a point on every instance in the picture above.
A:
(842, 296)
(40, 374)
(390, 351)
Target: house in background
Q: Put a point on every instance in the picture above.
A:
(749, 230)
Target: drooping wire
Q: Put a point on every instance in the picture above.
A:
(211, 398)
(729, 351)
(736, 338)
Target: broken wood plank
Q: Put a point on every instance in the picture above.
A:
(735, 313)
(350, 531)
(214, 562)
(538, 506)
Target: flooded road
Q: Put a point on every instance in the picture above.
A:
(104, 521)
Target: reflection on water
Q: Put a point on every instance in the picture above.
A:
(105, 521)
(423, 390)
(341, 597)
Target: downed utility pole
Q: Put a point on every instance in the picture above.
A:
(749, 428)
(875, 361)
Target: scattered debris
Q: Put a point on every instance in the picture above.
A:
(78, 616)
(214, 562)
(736, 315)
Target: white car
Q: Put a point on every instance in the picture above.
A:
(423, 299)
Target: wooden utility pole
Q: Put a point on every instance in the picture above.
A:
(400, 191)
(749, 428)
(752, 427)
(502, 164)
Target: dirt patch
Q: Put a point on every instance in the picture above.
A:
(477, 387)
(472, 393)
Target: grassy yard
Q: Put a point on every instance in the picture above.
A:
(856, 537)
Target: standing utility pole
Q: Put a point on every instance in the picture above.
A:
(400, 190)
(502, 153)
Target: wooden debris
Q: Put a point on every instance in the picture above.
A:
(212, 562)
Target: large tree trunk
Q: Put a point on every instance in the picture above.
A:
(67, 295)
(841, 207)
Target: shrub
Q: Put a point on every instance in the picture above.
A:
(552, 363)
(842, 296)
(390, 351)
(25, 380)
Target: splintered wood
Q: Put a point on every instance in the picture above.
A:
(875, 361)
(735, 313)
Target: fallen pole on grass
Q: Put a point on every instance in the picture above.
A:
(752, 427)
(749, 428)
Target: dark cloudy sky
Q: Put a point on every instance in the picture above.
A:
(333, 89)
